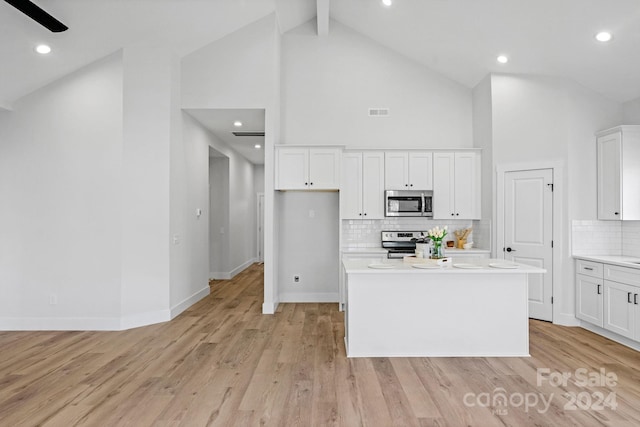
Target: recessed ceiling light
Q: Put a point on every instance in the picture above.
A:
(258, 146)
(387, 3)
(237, 123)
(503, 59)
(604, 36)
(43, 49)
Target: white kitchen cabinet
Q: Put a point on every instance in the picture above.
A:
(362, 186)
(589, 299)
(619, 173)
(307, 168)
(456, 185)
(412, 170)
(619, 310)
(608, 296)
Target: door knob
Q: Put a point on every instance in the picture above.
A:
(510, 250)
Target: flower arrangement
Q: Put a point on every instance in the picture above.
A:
(436, 235)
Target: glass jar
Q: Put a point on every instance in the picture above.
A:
(437, 251)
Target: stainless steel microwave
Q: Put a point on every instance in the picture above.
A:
(408, 203)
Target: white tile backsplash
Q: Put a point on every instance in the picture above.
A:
(591, 237)
(631, 238)
(357, 234)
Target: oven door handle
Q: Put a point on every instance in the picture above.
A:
(424, 205)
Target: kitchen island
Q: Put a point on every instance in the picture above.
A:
(471, 308)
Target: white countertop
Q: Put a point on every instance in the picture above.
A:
(399, 266)
(621, 260)
(450, 251)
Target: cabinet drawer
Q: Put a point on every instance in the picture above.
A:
(629, 276)
(589, 268)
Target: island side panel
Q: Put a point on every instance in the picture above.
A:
(424, 315)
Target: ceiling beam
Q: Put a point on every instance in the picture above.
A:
(323, 17)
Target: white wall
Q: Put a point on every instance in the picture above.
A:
(219, 217)
(189, 192)
(242, 70)
(233, 72)
(60, 215)
(239, 215)
(258, 178)
(329, 83)
(631, 112)
(483, 138)
(309, 243)
(542, 119)
(148, 116)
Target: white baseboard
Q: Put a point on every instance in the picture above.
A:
(611, 335)
(59, 323)
(219, 275)
(564, 319)
(269, 307)
(242, 267)
(143, 319)
(188, 302)
(310, 297)
(228, 275)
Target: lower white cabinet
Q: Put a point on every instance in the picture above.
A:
(608, 296)
(589, 299)
(619, 310)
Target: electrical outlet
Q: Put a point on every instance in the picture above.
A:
(296, 279)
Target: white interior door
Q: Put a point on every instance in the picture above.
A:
(528, 232)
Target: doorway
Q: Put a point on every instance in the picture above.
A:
(260, 227)
(526, 229)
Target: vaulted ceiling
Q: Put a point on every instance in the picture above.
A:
(458, 38)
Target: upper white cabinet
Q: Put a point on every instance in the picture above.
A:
(456, 185)
(408, 170)
(362, 187)
(307, 168)
(619, 173)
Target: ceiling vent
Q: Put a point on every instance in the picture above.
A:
(379, 112)
(248, 133)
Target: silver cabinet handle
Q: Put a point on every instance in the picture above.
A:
(599, 291)
(588, 268)
(629, 297)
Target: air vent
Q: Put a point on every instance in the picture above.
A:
(248, 133)
(378, 112)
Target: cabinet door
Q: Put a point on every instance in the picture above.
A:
(609, 176)
(324, 169)
(351, 186)
(443, 182)
(619, 310)
(421, 171)
(373, 185)
(589, 299)
(292, 168)
(466, 186)
(396, 170)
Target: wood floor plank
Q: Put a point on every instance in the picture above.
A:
(223, 363)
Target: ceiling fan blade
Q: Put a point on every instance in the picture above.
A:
(37, 14)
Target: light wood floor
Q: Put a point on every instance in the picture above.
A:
(223, 363)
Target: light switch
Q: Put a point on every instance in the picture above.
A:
(176, 239)
(198, 212)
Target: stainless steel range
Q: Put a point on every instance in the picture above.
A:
(402, 243)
